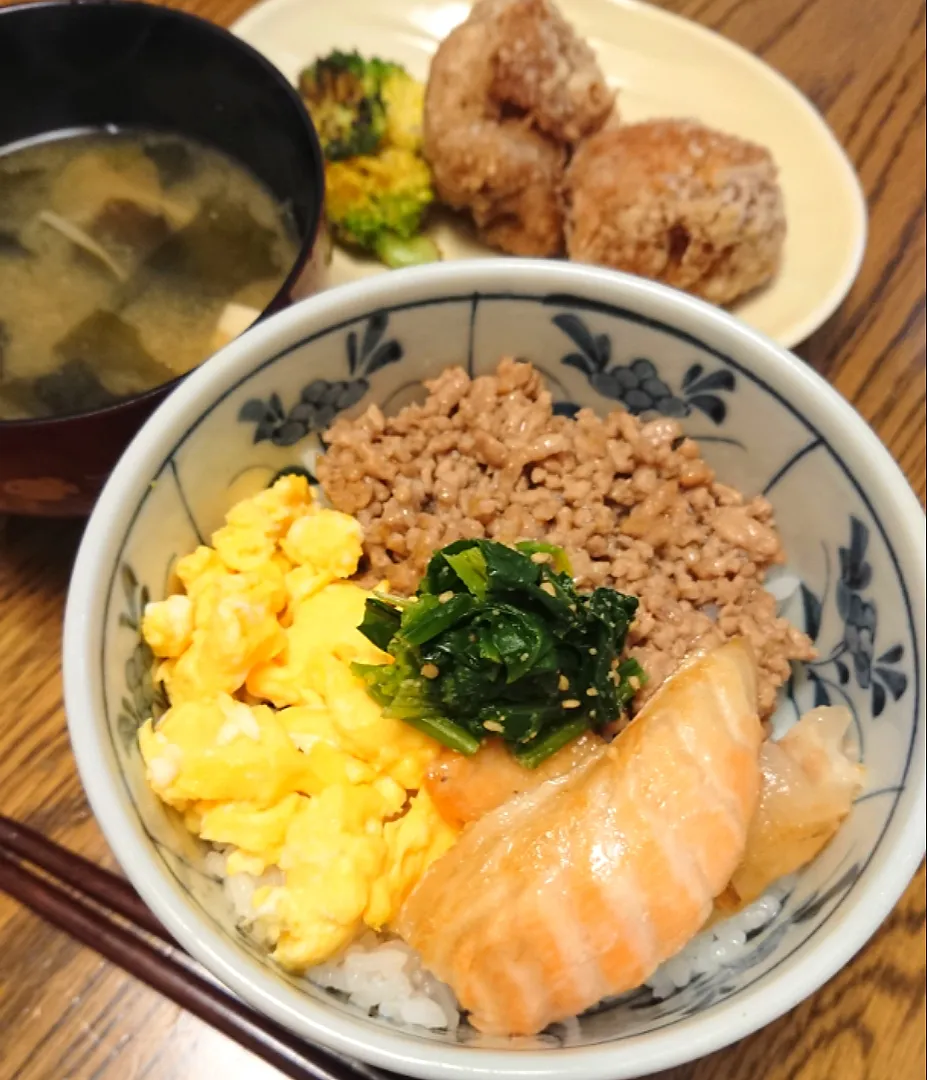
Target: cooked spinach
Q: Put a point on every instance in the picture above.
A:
(498, 641)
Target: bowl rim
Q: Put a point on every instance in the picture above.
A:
(639, 1054)
(308, 237)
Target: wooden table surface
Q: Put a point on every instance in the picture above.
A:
(66, 1014)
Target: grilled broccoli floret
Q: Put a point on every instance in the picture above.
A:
(404, 100)
(377, 203)
(342, 92)
(378, 186)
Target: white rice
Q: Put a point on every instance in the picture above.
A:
(384, 977)
(719, 946)
(387, 978)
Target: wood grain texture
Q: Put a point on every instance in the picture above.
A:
(65, 1015)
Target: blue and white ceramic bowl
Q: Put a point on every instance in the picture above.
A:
(854, 532)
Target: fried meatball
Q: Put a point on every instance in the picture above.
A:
(675, 201)
(544, 68)
(507, 92)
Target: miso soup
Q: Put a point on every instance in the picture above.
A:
(125, 260)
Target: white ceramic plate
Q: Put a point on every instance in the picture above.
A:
(662, 65)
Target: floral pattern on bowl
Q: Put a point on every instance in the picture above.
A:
(845, 581)
(838, 610)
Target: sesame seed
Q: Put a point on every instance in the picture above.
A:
(525, 656)
(563, 683)
(592, 692)
(593, 652)
(445, 596)
(549, 589)
(635, 682)
(571, 703)
(430, 671)
(541, 557)
(493, 725)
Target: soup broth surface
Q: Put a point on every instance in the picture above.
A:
(125, 258)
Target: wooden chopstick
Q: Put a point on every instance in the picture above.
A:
(75, 908)
(99, 884)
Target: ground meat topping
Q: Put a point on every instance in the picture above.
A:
(631, 500)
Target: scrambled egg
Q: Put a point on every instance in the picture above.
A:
(271, 746)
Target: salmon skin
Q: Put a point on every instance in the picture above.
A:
(463, 788)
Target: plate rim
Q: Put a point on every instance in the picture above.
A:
(800, 329)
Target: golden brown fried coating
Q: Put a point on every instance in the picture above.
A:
(508, 91)
(678, 202)
(543, 67)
